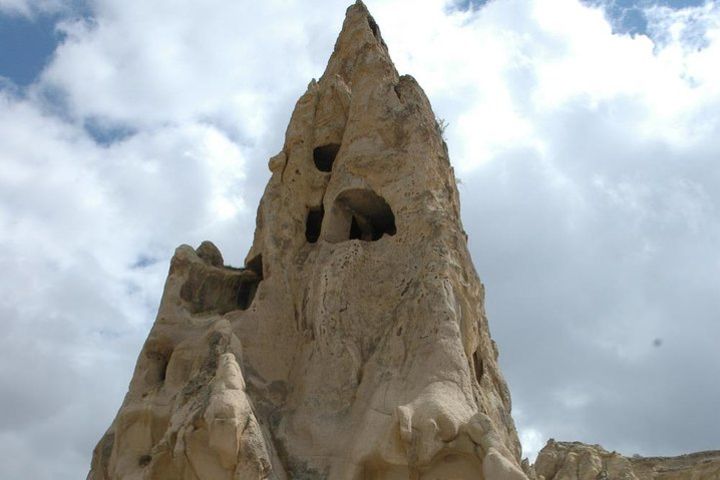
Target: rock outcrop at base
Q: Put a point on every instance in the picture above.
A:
(578, 461)
(354, 343)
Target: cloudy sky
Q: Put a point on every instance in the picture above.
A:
(585, 135)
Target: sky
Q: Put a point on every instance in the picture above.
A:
(585, 137)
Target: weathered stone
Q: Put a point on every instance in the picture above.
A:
(578, 461)
(354, 345)
(210, 253)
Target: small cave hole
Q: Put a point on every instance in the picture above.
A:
(313, 223)
(159, 358)
(360, 214)
(324, 156)
(249, 281)
(479, 367)
(144, 460)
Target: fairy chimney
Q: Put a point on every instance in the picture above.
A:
(353, 345)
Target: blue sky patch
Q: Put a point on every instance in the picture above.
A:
(628, 16)
(26, 45)
(468, 4)
(144, 261)
(104, 134)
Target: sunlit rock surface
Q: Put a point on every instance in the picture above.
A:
(353, 344)
(577, 461)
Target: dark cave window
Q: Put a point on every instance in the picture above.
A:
(360, 214)
(355, 232)
(313, 223)
(249, 282)
(159, 358)
(324, 156)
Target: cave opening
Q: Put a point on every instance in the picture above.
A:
(158, 358)
(313, 223)
(324, 156)
(249, 281)
(360, 214)
(355, 231)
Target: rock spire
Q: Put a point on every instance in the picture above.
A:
(353, 345)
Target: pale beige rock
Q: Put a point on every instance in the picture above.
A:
(578, 461)
(354, 345)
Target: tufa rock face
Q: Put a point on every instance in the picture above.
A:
(354, 343)
(577, 461)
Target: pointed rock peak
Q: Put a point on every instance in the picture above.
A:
(360, 35)
(210, 254)
(360, 6)
(354, 343)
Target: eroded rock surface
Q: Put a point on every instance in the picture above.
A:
(578, 461)
(354, 343)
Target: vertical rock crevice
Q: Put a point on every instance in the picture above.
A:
(313, 223)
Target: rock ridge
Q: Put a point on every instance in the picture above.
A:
(579, 461)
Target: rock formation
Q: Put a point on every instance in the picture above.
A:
(577, 461)
(354, 343)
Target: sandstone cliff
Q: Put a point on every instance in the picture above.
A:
(577, 461)
(354, 343)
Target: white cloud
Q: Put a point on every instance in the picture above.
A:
(588, 164)
(589, 182)
(169, 61)
(29, 8)
(532, 442)
(86, 232)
